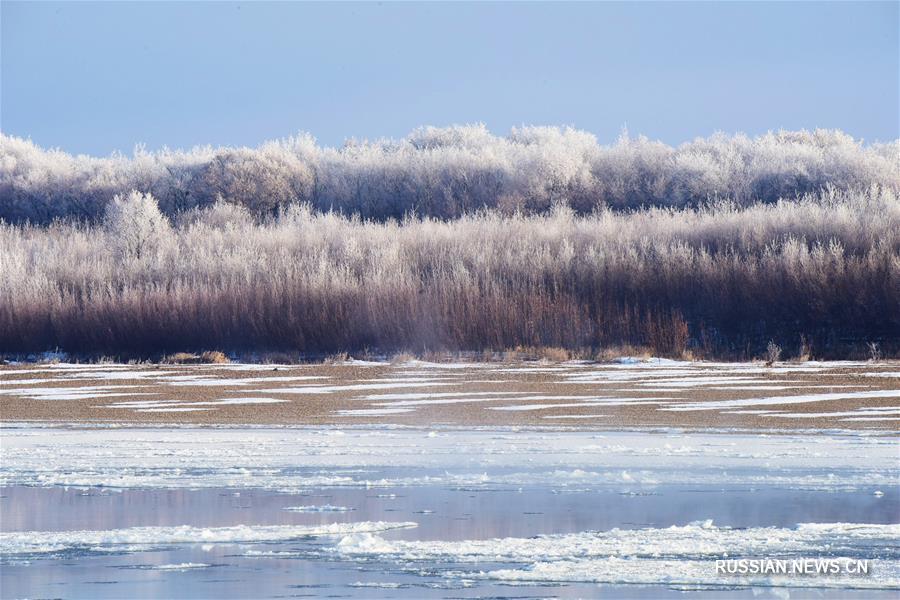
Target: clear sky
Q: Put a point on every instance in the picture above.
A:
(93, 78)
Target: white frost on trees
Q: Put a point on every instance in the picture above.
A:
(137, 228)
(447, 172)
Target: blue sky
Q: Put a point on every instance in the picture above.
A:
(94, 78)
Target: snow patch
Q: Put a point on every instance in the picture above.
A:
(373, 412)
(780, 400)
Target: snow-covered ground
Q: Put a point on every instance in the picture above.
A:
(630, 392)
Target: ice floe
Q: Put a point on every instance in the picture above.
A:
(268, 457)
(317, 509)
(179, 567)
(672, 555)
(36, 542)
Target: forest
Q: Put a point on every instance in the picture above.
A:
(446, 173)
(454, 240)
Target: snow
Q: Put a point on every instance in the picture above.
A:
(224, 381)
(373, 412)
(450, 365)
(773, 388)
(170, 410)
(657, 384)
(53, 390)
(65, 367)
(118, 374)
(426, 395)
(780, 400)
(587, 402)
(395, 379)
(462, 400)
(594, 416)
(74, 393)
(705, 381)
(651, 361)
(329, 389)
(364, 363)
(848, 413)
(26, 381)
(254, 400)
(535, 369)
(252, 367)
(178, 404)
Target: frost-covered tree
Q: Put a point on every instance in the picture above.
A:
(723, 278)
(136, 226)
(447, 172)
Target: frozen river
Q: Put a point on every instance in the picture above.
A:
(110, 512)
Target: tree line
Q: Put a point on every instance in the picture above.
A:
(721, 279)
(446, 173)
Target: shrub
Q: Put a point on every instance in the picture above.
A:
(773, 353)
(213, 357)
(874, 352)
(181, 358)
(805, 350)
